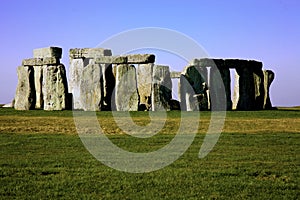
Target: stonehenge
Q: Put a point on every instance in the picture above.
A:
(100, 81)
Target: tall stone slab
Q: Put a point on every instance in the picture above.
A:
(25, 93)
(144, 82)
(126, 94)
(236, 92)
(91, 88)
(259, 90)
(38, 83)
(161, 88)
(220, 86)
(268, 79)
(55, 89)
(193, 88)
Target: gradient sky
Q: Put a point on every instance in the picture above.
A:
(267, 30)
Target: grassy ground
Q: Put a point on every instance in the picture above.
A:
(256, 157)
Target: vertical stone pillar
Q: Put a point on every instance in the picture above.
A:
(25, 93)
(126, 94)
(258, 84)
(55, 89)
(220, 89)
(236, 93)
(144, 82)
(38, 80)
(161, 88)
(90, 88)
(268, 79)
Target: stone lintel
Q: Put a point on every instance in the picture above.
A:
(111, 60)
(89, 52)
(174, 74)
(47, 52)
(41, 61)
(140, 58)
(207, 62)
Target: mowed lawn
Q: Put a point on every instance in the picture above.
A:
(256, 157)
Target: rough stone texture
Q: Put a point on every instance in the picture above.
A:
(38, 83)
(140, 58)
(193, 87)
(25, 93)
(236, 92)
(40, 61)
(47, 52)
(144, 82)
(259, 91)
(268, 79)
(108, 81)
(126, 94)
(89, 52)
(55, 89)
(161, 88)
(175, 74)
(75, 72)
(91, 87)
(220, 88)
(111, 60)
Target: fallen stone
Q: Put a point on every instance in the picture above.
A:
(47, 52)
(55, 89)
(140, 58)
(111, 60)
(126, 94)
(25, 93)
(144, 82)
(161, 88)
(91, 88)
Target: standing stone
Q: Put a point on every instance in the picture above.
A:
(220, 88)
(55, 90)
(108, 81)
(38, 83)
(25, 93)
(126, 94)
(268, 79)
(193, 88)
(144, 82)
(91, 87)
(161, 88)
(259, 91)
(236, 92)
(47, 52)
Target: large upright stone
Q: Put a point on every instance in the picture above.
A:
(220, 88)
(193, 87)
(108, 81)
(25, 93)
(55, 89)
(126, 94)
(236, 92)
(268, 79)
(38, 83)
(161, 88)
(144, 82)
(91, 87)
(259, 91)
(47, 52)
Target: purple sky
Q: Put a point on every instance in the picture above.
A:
(267, 30)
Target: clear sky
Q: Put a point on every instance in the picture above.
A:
(266, 30)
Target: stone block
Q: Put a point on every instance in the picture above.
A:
(140, 58)
(89, 52)
(174, 74)
(111, 60)
(144, 82)
(40, 61)
(268, 79)
(48, 52)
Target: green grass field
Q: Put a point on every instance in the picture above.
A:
(256, 157)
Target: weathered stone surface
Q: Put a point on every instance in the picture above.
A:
(144, 82)
(108, 81)
(111, 60)
(55, 89)
(236, 93)
(89, 52)
(40, 61)
(220, 86)
(140, 58)
(38, 83)
(47, 52)
(161, 88)
(268, 79)
(75, 74)
(175, 74)
(126, 94)
(91, 87)
(193, 87)
(259, 89)
(25, 93)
